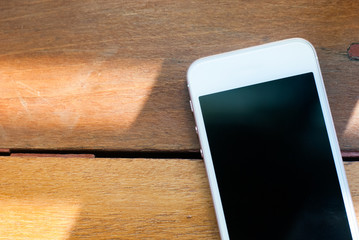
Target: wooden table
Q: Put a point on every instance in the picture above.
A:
(96, 133)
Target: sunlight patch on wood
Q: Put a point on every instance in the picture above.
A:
(61, 97)
(70, 89)
(351, 131)
(37, 218)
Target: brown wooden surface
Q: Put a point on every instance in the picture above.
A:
(111, 74)
(64, 198)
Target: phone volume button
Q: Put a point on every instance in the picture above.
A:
(201, 151)
(190, 103)
(196, 128)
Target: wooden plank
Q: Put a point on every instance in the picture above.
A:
(61, 198)
(111, 74)
(64, 198)
(352, 172)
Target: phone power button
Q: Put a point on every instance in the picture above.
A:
(190, 103)
(201, 151)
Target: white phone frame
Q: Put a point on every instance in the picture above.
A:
(256, 65)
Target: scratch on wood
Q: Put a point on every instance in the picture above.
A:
(31, 91)
(22, 101)
(353, 51)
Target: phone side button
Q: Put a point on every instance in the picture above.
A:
(201, 152)
(190, 103)
(196, 128)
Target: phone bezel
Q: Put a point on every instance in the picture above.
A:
(257, 65)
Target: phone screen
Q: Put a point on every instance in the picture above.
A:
(273, 161)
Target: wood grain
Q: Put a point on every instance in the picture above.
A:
(64, 198)
(90, 74)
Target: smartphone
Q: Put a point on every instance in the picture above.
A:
(269, 144)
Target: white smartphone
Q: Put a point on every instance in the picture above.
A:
(269, 144)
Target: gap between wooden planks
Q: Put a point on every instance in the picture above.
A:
(75, 198)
